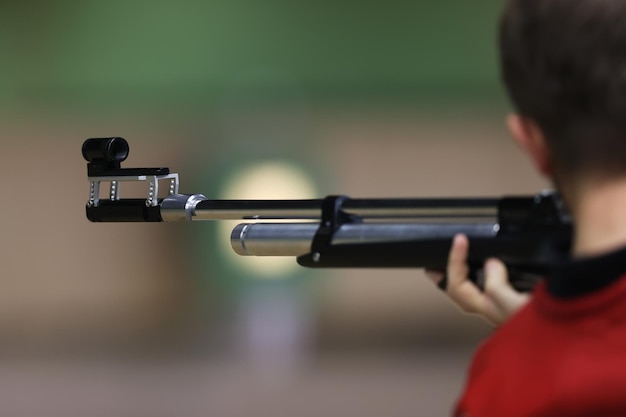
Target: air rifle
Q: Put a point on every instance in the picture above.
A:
(528, 233)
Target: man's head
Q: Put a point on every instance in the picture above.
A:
(564, 65)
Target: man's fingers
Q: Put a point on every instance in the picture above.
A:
(498, 288)
(460, 288)
(457, 260)
(498, 301)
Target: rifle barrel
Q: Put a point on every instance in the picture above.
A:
(364, 208)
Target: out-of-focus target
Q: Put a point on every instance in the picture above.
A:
(267, 180)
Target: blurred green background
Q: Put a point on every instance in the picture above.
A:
(161, 55)
(369, 99)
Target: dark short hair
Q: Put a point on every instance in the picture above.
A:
(564, 65)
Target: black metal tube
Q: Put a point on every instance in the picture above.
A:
(365, 208)
(422, 207)
(257, 209)
(105, 149)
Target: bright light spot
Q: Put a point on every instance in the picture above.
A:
(269, 180)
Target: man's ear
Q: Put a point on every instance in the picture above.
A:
(529, 136)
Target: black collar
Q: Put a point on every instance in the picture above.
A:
(577, 277)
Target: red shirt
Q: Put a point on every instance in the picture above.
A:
(556, 357)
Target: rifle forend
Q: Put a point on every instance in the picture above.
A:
(529, 233)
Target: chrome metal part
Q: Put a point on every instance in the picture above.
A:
(180, 207)
(273, 239)
(294, 239)
(114, 191)
(153, 188)
(173, 186)
(94, 194)
(153, 191)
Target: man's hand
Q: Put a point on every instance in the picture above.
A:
(496, 303)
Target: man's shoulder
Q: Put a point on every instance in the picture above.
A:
(566, 359)
(552, 326)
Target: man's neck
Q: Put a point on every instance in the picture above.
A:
(600, 218)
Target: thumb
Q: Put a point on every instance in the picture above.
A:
(499, 290)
